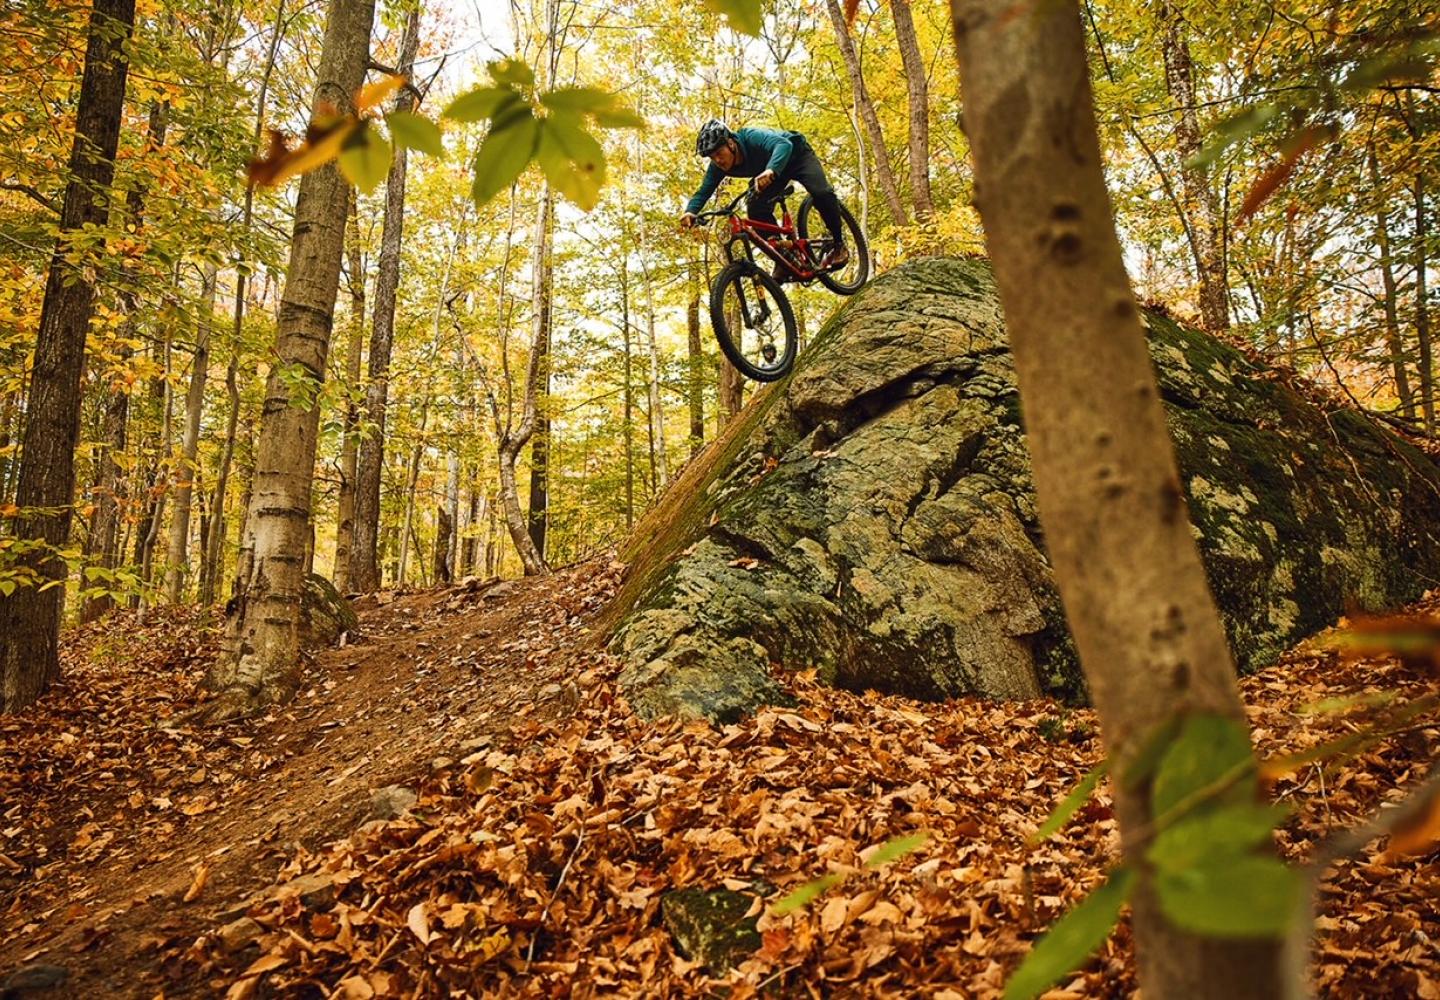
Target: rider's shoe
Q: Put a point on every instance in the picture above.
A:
(835, 259)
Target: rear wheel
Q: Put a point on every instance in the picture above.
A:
(753, 322)
(845, 280)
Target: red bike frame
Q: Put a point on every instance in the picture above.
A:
(781, 238)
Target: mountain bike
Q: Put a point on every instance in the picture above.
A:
(760, 339)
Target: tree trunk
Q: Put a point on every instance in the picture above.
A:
(542, 287)
(629, 394)
(696, 370)
(350, 448)
(364, 566)
(918, 85)
(1391, 301)
(214, 560)
(866, 109)
(177, 562)
(1110, 498)
(513, 438)
(1201, 205)
(659, 454)
(444, 530)
(1422, 310)
(411, 480)
(110, 494)
(30, 617)
(261, 659)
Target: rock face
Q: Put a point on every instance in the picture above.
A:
(325, 615)
(872, 517)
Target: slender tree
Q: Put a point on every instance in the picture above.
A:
(1390, 303)
(1110, 498)
(350, 445)
(261, 657)
(30, 617)
(917, 84)
(1201, 205)
(865, 108)
(364, 564)
(177, 561)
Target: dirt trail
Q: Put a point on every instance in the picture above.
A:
(120, 839)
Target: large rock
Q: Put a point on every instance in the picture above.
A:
(325, 614)
(872, 516)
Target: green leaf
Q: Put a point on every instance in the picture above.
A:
(743, 15)
(1233, 897)
(619, 118)
(1205, 763)
(896, 847)
(412, 131)
(365, 159)
(1072, 939)
(503, 156)
(1071, 803)
(1232, 831)
(480, 104)
(512, 72)
(572, 160)
(578, 100)
(1141, 767)
(7, 587)
(1241, 125)
(807, 894)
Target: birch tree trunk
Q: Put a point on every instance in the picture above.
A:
(1201, 204)
(260, 664)
(1111, 503)
(1391, 301)
(350, 447)
(918, 87)
(866, 109)
(214, 559)
(696, 372)
(110, 494)
(364, 566)
(30, 617)
(512, 438)
(1422, 309)
(177, 560)
(657, 415)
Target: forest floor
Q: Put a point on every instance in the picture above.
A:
(153, 861)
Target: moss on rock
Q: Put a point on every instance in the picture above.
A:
(872, 517)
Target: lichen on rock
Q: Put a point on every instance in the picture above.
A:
(872, 517)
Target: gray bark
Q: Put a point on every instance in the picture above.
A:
(1202, 207)
(364, 566)
(866, 110)
(918, 86)
(30, 617)
(1110, 499)
(350, 447)
(177, 561)
(260, 664)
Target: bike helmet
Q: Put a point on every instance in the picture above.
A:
(712, 136)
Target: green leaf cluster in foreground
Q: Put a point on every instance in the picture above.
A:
(551, 130)
(1207, 857)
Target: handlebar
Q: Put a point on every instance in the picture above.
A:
(704, 217)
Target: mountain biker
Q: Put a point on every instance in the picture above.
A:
(774, 158)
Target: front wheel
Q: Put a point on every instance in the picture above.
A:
(848, 279)
(753, 322)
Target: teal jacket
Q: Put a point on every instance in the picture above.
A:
(761, 149)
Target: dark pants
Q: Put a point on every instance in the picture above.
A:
(805, 168)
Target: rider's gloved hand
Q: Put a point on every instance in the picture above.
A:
(687, 220)
(764, 180)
